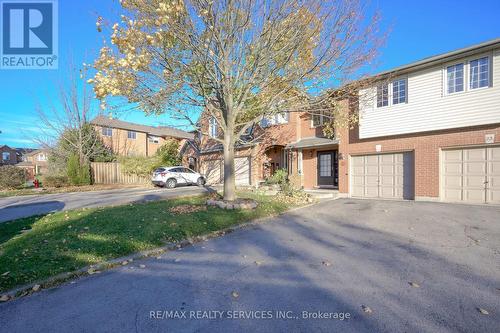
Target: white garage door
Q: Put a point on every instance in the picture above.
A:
(387, 176)
(242, 170)
(212, 170)
(471, 175)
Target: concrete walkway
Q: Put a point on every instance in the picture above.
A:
(23, 206)
(334, 257)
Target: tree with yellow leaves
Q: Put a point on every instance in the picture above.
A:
(237, 60)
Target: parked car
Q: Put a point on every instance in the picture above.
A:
(170, 177)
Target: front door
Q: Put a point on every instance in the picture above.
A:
(328, 168)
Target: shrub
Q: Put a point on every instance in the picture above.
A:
(166, 155)
(12, 177)
(78, 174)
(55, 181)
(279, 176)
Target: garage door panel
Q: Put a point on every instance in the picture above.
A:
(453, 181)
(453, 168)
(383, 176)
(452, 155)
(478, 167)
(474, 195)
(212, 171)
(477, 154)
(474, 178)
(453, 195)
(242, 170)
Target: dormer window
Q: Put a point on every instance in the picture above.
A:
(455, 78)
(212, 127)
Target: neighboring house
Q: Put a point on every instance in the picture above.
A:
(35, 162)
(429, 131)
(129, 139)
(8, 155)
(275, 143)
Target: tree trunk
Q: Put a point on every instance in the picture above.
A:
(229, 174)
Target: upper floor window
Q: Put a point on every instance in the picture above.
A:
(479, 73)
(212, 127)
(455, 78)
(382, 95)
(317, 119)
(399, 91)
(6, 156)
(275, 119)
(131, 135)
(106, 131)
(41, 157)
(153, 139)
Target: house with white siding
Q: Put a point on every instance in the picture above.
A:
(429, 130)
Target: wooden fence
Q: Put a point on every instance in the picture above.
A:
(111, 173)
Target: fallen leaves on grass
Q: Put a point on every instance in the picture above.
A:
(186, 209)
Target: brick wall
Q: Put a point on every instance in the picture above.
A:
(426, 148)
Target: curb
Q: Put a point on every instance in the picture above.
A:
(59, 279)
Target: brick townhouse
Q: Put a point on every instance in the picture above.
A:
(430, 130)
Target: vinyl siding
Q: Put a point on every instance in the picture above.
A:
(429, 108)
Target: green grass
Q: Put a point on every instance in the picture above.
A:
(66, 241)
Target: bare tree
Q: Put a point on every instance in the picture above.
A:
(237, 60)
(64, 126)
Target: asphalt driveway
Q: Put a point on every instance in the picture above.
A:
(335, 257)
(12, 208)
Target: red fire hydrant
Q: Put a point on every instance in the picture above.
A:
(36, 183)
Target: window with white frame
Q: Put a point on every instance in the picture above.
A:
(6, 156)
(382, 95)
(275, 119)
(317, 119)
(455, 78)
(131, 135)
(153, 139)
(41, 157)
(106, 131)
(399, 91)
(212, 127)
(479, 73)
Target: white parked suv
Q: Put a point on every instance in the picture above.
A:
(170, 177)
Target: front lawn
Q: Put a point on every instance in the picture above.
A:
(39, 247)
(66, 189)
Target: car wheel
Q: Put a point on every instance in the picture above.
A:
(171, 183)
(200, 181)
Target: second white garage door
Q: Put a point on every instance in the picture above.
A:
(471, 175)
(388, 176)
(242, 170)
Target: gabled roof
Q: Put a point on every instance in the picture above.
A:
(152, 130)
(444, 57)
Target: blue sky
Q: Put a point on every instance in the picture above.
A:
(418, 29)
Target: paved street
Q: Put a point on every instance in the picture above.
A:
(23, 206)
(336, 256)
